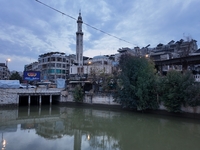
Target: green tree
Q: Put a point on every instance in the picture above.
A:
(193, 95)
(174, 89)
(136, 86)
(78, 94)
(16, 76)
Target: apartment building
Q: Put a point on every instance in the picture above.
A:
(174, 49)
(54, 65)
(31, 67)
(4, 72)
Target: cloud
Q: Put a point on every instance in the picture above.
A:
(17, 62)
(22, 37)
(104, 46)
(32, 29)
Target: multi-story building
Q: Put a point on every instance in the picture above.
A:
(4, 72)
(31, 67)
(54, 65)
(174, 49)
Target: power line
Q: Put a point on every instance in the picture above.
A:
(84, 22)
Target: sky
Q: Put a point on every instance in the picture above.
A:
(29, 29)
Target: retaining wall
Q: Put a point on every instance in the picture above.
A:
(11, 96)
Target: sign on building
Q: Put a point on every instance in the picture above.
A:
(31, 75)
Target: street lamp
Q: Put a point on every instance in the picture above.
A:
(7, 60)
(89, 63)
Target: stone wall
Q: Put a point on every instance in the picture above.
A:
(89, 98)
(11, 96)
(8, 96)
(108, 100)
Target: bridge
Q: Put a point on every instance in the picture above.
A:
(29, 96)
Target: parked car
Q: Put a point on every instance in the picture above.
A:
(24, 86)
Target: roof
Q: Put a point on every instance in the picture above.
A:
(99, 57)
(79, 82)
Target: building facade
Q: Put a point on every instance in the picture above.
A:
(174, 49)
(53, 65)
(4, 72)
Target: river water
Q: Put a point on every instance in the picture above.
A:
(77, 128)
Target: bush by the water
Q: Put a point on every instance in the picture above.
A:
(141, 88)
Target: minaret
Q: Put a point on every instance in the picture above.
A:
(79, 41)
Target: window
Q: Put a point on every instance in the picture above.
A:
(59, 59)
(58, 70)
(52, 64)
(51, 71)
(58, 65)
(53, 58)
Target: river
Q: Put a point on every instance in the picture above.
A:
(87, 128)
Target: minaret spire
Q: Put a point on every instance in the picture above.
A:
(79, 41)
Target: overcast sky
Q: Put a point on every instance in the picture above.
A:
(28, 28)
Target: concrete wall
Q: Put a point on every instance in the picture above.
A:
(89, 98)
(10, 96)
(100, 99)
(188, 109)
(108, 100)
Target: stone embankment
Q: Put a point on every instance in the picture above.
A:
(11, 96)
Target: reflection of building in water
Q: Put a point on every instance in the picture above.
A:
(51, 130)
(29, 126)
(94, 128)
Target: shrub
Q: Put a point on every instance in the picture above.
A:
(174, 89)
(78, 94)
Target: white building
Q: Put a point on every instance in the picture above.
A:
(102, 64)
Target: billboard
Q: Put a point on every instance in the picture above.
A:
(31, 75)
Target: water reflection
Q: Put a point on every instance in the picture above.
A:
(86, 128)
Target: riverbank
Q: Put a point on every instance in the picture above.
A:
(10, 99)
(119, 108)
(99, 106)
